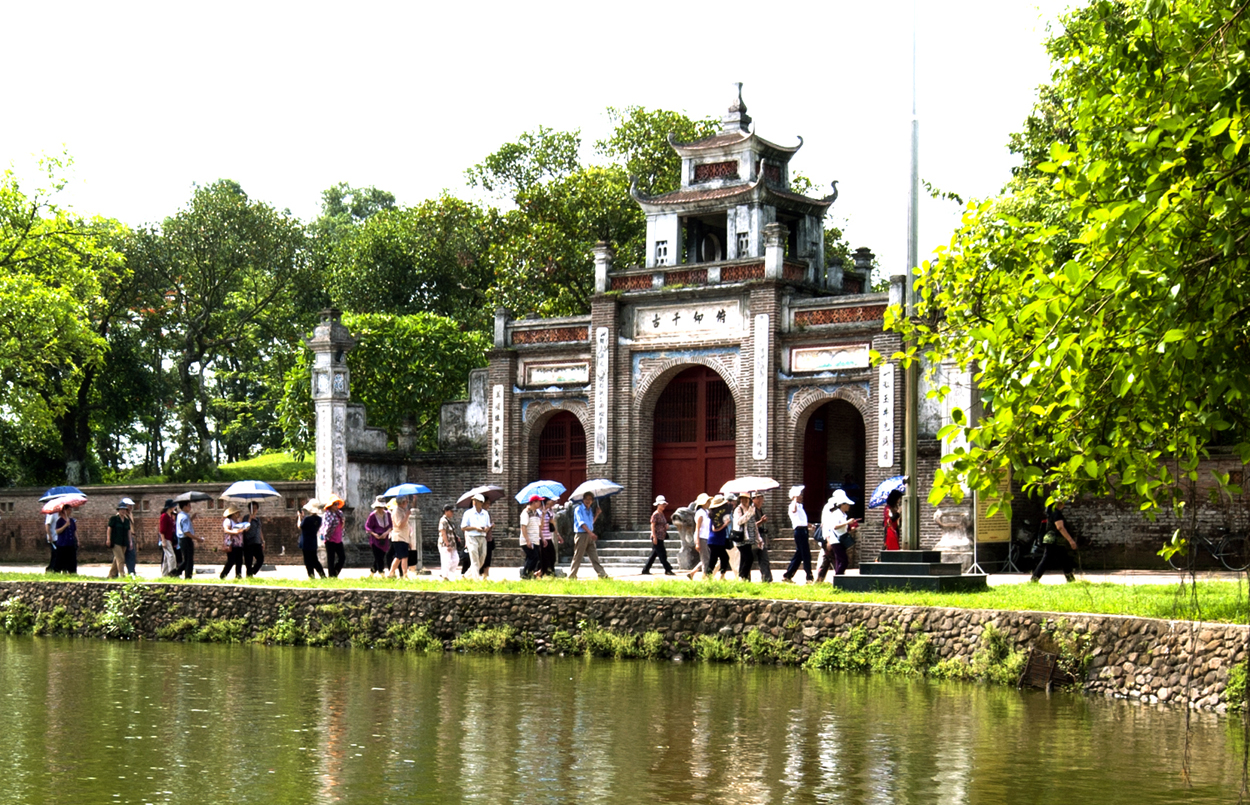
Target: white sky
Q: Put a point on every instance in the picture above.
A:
(289, 98)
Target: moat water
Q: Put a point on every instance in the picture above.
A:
(88, 721)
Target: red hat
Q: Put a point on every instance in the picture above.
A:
(536, 498)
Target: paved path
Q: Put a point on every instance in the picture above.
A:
(152, 571)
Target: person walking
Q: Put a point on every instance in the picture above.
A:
(232, 528)
(119, 539)
(659, 531)
(132, 552)
(378, 527)
(893, 519)
(448, 545)
(702, 531)
(184, 528)
(802, 543)
(66, 542)
(309, 522)
(1055, 544)
(474, 524)
(584, 537)
(401, 537)
(763, 533)
(531, 535)
(550, 539)
(744, 534)
(253, 541)
(489, 558)
(332, 534)
(49, 532)
(718, 537)
(166, 536)
(837, 527)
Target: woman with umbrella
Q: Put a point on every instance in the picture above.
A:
(233, 529)
(890, 493)
(718, 538)
(66, 541)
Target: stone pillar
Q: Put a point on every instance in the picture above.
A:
(774, 250)
(331, 382)
(501, 327)
(898, 282)
(603, 265)
(833, 274)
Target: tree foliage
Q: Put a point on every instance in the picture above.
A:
(1104, 299)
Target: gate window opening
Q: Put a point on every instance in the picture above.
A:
(562, 452)
(695, 427)
(833, 457)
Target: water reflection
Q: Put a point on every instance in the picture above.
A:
(94, 721)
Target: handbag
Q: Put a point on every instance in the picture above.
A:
(847, 540)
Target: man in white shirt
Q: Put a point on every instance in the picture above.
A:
(473, 525)
(185, 531)
(49, 528)
(802, 544)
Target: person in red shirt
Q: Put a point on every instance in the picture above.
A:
(169, 543)
(893, 519)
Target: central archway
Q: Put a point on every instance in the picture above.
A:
(834, 449)
(562, 451)
(694, 436)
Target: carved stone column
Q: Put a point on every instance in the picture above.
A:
(331, 382)
(956, 542)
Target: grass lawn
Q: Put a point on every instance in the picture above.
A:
(267, 467)
(1222, 601)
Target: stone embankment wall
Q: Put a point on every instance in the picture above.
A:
(1150, 660)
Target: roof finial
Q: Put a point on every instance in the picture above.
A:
(736, 119)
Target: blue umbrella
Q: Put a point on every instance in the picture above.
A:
(884, 489)
(404, 490)
(57, 491)
(250, 490)
(544, 489)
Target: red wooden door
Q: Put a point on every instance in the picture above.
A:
(816, 464)
(694, 437)
(562, 452)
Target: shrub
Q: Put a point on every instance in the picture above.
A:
(563, 642)
(1235, 691)
(16, 617)
(496, 640)
(415, 637)
(1072, 648)
(285, 631)
(888, 652)
(121, 611)
(993, 661)
(714, 648)
(178, 630)
(763, 649)
(223, 630)
(599, 642)
(56, 622)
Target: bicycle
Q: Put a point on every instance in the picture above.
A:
(1230, 550)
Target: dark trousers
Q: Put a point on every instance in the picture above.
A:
(1055, 555)
(67, 559)
(547, 563)
(336, 557)
(312, 564)
(718, 553)
(234, 559)
(658, 551)
(745, 561)
(835, 556)
(52, 556)
(762, 561)
(132, 559)
(532, 559)
(253, 558)
(187, 565)
(379, 560)
(177, 558)
(464, 559)
(802, 554)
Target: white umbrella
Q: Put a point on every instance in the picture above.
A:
(748, 484)
(250, 490)
(490, 492)
(599, 487)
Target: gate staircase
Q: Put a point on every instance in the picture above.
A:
(911, 570)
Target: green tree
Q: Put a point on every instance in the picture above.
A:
(403, 368)
(228, 267)
(427, 258)
(639, 144)
(1104, 299)
(537, 156)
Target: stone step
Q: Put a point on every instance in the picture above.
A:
(939, 584)
(910, 569)
(910, 556)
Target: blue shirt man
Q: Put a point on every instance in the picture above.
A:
(584, 537)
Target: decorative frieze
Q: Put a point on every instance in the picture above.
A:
(557, 374)
(742, 273)
(838, 315)
(550, 335)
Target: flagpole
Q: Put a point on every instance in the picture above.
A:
(911, 416)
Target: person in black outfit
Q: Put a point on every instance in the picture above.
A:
(659, 530)
(759, 548)
(1055, 544)
(309, 525)
(253, 541)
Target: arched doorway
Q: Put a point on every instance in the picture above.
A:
(694, 436)
(562, 451)
(833, 457)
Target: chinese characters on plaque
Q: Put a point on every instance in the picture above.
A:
(697, 320)
(496, 429)
(759, 403)
(601, 395)
(885, 417)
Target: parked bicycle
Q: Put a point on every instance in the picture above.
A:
(1229, 549)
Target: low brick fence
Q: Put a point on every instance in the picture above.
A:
(1133, 658)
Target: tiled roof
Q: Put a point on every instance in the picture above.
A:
(717, 140)
(709, 194)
